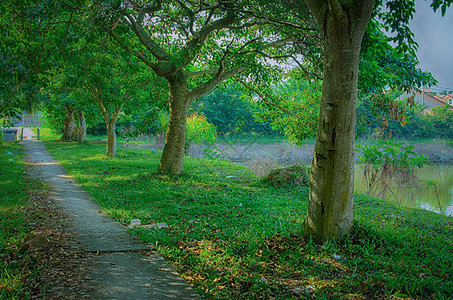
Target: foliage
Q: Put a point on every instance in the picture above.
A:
(199, 130)
(413, 123)
(387, 160)
(442, 121)
(382, 66)
(293, 108)
(31, 33)
(389, 152)
(230, 111)
(377, 111)
(234, 238)
(385, 71)
(227, 37)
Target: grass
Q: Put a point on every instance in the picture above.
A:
(46, 134)
(15, 216)
(233, 237)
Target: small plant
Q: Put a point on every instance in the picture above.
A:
(211, 153)
(387, 160)
(432, 183)
(199, 130)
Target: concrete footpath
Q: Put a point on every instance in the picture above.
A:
(124, 267)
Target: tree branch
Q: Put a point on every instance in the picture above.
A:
(190, 13)
(219, 77)
(318, 9)
(246, 25)
(148, 11)
(139, 55)
(146, 40)
(201, 35)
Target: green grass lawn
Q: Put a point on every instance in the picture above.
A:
(232, 236)
(15, 217)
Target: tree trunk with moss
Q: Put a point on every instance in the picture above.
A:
(70, 130)
(82, 136)
(331, 198)
(111, 139)
(180, 99)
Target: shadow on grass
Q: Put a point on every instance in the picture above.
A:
(233, 237)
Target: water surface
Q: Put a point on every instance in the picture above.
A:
(423, 196)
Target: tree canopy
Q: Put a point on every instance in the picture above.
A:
(196, 46)
(32, 31)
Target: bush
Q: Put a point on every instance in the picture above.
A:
(199, 130)
(387, 160)
(295, 175)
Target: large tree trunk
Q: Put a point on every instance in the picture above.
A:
(70, 130)
(111, 138)
(331, 198)
(180, 99)
(82, 136)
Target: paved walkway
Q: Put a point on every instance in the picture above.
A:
(120, 270)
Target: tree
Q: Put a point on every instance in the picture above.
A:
(330, 210)
(195, 46)
(63, 105)
(342, 25)
(31, 32)
(113, 79)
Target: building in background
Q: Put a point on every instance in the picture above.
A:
(429, 99)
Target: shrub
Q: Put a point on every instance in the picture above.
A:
(387, 160)
(294, 175)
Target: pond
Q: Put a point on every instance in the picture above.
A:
(423, 196)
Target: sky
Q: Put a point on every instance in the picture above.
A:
(434, 35)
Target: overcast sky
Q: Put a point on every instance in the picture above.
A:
(434, 35)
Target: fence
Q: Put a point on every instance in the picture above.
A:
(28, 120)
